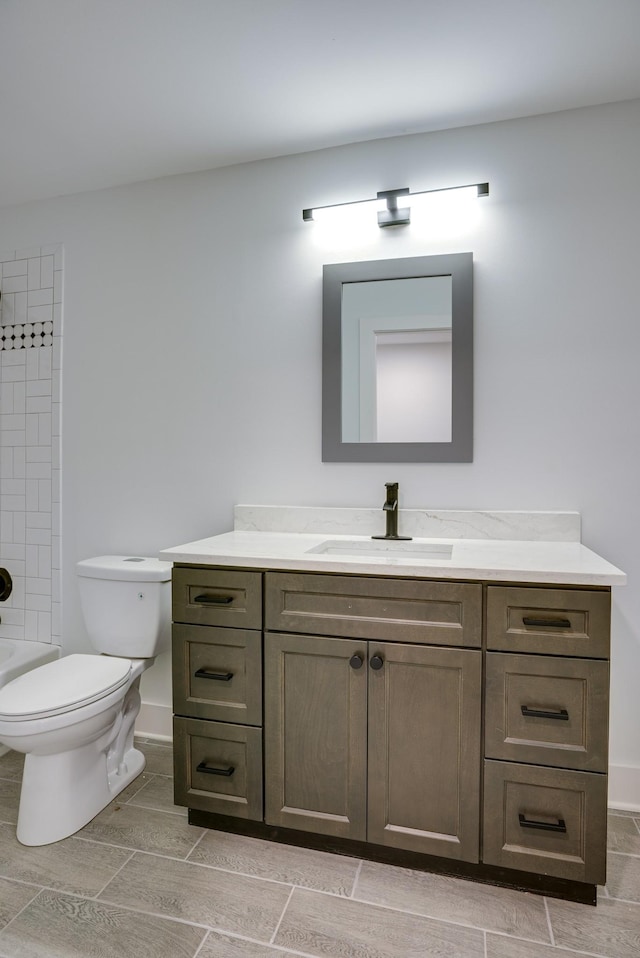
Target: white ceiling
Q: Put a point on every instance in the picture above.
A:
(95, 93)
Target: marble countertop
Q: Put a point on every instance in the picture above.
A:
(529, 559)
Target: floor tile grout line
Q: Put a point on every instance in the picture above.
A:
(279, 922)
(218, 929)
(99, 892)
(560, 949)
(213, 868)
(414, 914)
(221, 930)
(549, 925)
(200, 839)
(354, 884)
(128, 848)
(30, 902)
(277, 950)
(194, 846)
(154, 808)
(202, 944)
(142, 785)
(625, 901)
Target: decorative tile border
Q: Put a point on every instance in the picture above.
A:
(27, 336)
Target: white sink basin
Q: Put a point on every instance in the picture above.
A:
(384, 548)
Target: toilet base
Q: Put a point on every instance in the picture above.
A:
(62, 793)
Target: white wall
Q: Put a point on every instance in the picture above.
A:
(193, 331)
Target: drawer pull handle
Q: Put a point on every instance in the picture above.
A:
(213, 599)
(559, 623)
(216, 676)
(212, 770)
(376, 662)
(356, 661)
(562, 715)
(558, 826)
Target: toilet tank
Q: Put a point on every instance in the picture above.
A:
(126, 604)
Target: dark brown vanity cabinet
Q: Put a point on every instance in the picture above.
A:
(463, 721)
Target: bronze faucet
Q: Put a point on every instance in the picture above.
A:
(391, 513)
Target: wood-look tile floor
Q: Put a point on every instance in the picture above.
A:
(140, 882)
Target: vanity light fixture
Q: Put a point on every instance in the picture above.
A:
(393, 206)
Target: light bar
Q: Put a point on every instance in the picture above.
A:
(393, 206)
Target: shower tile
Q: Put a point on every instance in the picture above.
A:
(17, 267)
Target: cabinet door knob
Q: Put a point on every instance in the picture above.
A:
(356, 661)
(376, 662)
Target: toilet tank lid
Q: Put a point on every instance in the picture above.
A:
(133, 568)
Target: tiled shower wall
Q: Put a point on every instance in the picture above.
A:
(30, 364)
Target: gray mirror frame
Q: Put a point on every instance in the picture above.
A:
(460, 267)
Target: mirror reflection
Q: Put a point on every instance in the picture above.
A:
(398, 360)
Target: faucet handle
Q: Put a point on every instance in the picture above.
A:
(392, 495)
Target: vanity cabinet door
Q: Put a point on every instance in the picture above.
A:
(424, 749)
(316, 734)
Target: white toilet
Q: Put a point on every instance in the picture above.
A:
(74, 718)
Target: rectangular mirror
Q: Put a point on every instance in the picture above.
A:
(398, 360)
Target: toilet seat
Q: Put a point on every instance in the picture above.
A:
(62, 686)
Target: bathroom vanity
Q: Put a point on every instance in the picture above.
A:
(440, 703)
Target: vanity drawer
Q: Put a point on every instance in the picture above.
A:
(550, 621)
(218, 767)
(547, 711)
(545, 820)
(217, 673)
(394, 610)
(224, 597)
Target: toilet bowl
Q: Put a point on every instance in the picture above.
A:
(74, 718)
